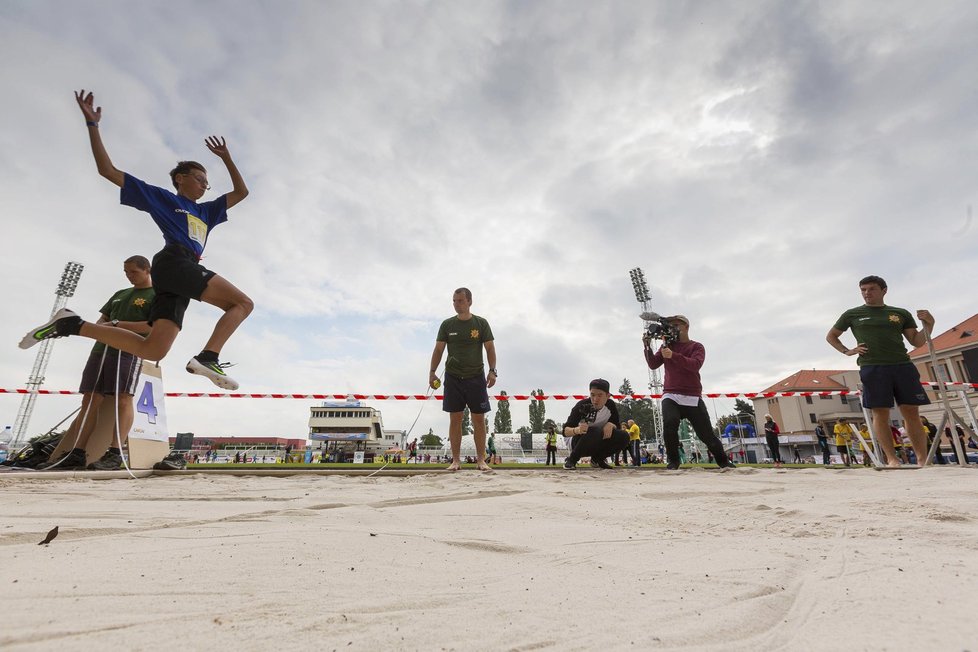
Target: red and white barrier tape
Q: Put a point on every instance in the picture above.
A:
(511, 397)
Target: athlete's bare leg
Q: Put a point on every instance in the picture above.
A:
(479, 428)
(455, 439)
(236, 306)
(881, 428)
(88, 412)
(153, 347)
(915, 430)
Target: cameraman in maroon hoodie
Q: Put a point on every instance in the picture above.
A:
(682, 389)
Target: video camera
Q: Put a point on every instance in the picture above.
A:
(657, 328)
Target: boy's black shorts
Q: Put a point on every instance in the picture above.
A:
(177, 278)
(462, 392)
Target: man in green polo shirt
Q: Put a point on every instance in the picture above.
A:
(466, 382)
(111, 373)
(884, 366)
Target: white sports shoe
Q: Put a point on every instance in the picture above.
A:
(214, 371)
(47, 330)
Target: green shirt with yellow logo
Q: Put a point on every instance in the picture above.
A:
(465, 339)
(131, 304)
(880, 328)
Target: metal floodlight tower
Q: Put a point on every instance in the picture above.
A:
(64, 291)
(655, 382)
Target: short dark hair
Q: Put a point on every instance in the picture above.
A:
(873, 279)
(466, 291)
(600, 384)
(184, 167)
(139, 261)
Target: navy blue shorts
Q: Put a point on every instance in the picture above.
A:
(882, 383)
(99, 375)
(466, 392)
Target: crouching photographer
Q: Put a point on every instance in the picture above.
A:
(682, 389)
(595, 428)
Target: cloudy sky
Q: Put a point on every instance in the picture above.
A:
(754, 158)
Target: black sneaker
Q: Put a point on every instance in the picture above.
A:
(40, 454)
(727, 465)
(603, 464)
(569, 465)
(73, 460)
(108, 462)
(213, 370)
(172, 462)
(64, 322)
(672, 466)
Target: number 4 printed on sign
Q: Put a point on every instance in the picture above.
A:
(145, 404)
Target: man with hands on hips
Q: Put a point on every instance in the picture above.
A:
(885, 369)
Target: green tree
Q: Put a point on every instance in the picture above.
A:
(743, 407)
(625, 406)
(503, 421)
(431, 440)
(538, 412)
(524, 430)
(466, 422)
(548, 424)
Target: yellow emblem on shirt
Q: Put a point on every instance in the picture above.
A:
(895, 319)
(196, 229)
(139, 302)
(474, 333)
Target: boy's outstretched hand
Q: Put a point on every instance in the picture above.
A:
(86, 104)
(218, 147)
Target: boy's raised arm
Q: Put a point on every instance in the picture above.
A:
(92, 117)
(239, 190)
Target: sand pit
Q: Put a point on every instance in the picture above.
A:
(517, 560)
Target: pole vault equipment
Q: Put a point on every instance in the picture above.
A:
(84, 417)
(950, 417)
(37, 451)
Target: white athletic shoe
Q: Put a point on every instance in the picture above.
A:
(48, 329)
(214, 371)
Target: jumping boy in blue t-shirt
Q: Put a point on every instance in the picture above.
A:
(177, 274)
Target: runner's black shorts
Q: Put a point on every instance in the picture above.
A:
(466, 392)
(99, 376)
(177, 278)
(884, 383)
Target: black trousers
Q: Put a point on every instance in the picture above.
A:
(593, 444)
(634, 447)
(774, 446)
(552, 455)
(823, 444)
(698, 417)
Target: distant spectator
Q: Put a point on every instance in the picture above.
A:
(823, 444)
(843, 433)
(771, 432)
